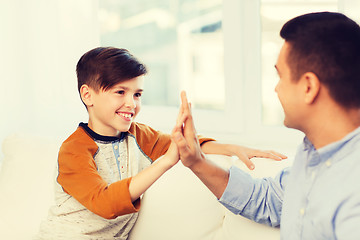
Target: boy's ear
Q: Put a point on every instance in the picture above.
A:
(311, 87)
(85, 94)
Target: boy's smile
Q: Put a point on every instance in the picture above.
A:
(112, 111)
(126, 116)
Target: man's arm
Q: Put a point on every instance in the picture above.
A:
(191, 155)
(256, 199)
(259, 199)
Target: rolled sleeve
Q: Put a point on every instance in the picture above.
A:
(238, 191)
(257, 199)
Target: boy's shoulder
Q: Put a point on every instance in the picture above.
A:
(138, 127)
(79, 141)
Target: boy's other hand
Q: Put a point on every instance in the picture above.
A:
(243, 153)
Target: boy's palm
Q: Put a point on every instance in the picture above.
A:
(184, 134)
(172, 154)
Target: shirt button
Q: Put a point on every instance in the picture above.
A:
(328, 163)
(302, 211)
(115, 147)
(118, 159)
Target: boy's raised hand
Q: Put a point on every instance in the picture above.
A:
(184, 135)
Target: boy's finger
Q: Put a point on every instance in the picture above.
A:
(184, 102)
(181, 143)
(250, 165)
(180, 114)
(270, 154)
(282, 156)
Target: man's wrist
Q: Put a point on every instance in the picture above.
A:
(197, 166)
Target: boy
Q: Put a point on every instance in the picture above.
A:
(107, 164)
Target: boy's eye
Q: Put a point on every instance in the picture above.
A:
(121, 92)
(137, 95)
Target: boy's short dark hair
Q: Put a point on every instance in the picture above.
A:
(104, 67)
(327, 44)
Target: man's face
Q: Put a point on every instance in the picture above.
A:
(288, 91)
(113, 110)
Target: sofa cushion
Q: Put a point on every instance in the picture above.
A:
(179, 206)
(26, 183)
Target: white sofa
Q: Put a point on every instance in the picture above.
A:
(177, 206)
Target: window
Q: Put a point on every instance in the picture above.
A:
(274, 13)
(180, 42)
(222, 52)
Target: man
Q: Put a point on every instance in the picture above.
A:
(319, 89)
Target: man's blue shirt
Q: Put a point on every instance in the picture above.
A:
(317, 198)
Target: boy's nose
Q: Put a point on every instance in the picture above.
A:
(130, 102)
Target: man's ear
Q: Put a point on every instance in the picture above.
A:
(85, 94)
(312, 87)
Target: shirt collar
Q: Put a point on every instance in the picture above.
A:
(331, 151)
(99, 137)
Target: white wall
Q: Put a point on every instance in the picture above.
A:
(40, 44)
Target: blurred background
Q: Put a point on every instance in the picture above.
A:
(222, 52)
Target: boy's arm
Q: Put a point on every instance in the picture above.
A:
(243, 153)
(154, 143)
(144, 179)
(79, 177)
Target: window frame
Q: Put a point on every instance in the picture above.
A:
(241, 117)
(241, 120)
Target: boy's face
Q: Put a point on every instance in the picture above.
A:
(112, 111)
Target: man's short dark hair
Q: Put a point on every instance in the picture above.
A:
(327, 44)
(104, 67)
